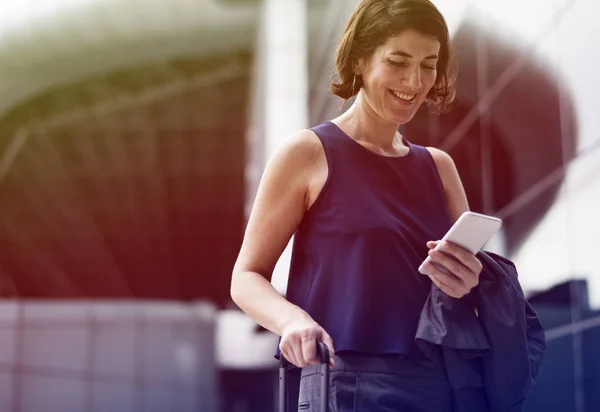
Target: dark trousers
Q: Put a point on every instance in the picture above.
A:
(379, 384)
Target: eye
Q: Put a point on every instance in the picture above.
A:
(428, 67)
(397, 64)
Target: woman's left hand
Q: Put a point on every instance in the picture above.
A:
(459, 272)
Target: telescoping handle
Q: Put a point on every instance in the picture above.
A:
(323, 353)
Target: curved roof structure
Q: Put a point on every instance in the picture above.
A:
(176, 75)
(48, 43)
(122, 147)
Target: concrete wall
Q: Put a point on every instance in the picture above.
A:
(117, 356)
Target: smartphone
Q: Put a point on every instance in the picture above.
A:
(471, 232)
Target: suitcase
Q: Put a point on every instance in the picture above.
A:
(323, 353)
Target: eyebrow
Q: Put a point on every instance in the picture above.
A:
(404, 54)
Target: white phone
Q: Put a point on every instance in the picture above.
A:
(471, 232)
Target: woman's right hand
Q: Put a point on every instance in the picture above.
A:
(299, 343)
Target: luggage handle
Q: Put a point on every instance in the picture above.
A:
(324, 358)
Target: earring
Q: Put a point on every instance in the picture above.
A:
(352, 91)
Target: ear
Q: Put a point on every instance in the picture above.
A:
(359, 66)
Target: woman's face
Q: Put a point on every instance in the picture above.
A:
(398, 76)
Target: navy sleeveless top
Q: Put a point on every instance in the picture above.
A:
(356, 253)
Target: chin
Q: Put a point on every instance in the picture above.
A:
(400, 118)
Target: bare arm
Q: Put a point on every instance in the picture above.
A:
(456, 198)
(463, 266)
(278, 209)
(281, 201)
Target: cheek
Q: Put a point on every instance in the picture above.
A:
(429, 79)
(387, 75)
(380, 77)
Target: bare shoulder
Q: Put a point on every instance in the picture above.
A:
(445, 165)
(281, 201)
(442, 159)
(456, 198)
(300, 148)
(300, 159)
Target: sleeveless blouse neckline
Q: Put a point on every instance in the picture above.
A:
(360, 146)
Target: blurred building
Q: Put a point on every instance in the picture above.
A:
(133, 134)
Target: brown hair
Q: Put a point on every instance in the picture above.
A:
(372, 23)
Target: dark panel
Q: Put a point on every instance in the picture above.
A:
(525, 130)
(147, 202)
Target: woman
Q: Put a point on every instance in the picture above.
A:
(366, 206)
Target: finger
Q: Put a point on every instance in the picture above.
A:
(432, 243)
(447, 290)
(290, 357)
(429, 269)
(464, 256)
(298, 354)
(293, 346)
(309, 350)
(326, 339)
(455, 267)
(288, 354)
(450, 284)
(447, 278)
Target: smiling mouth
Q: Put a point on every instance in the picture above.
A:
(408, 98)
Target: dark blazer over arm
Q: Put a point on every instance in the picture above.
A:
(493, 356)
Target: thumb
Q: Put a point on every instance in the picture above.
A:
(432, 244)
(326, 339)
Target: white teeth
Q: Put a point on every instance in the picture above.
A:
(407, 97)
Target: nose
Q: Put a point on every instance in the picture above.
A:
(412, 78)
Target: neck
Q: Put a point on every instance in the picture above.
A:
(365, 126)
